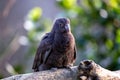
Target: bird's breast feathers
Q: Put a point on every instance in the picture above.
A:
(64, 43)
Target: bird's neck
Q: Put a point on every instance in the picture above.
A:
(62, 34)
(58, 37)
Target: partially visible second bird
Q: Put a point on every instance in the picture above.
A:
(57, 48)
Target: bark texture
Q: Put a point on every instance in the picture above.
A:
(87, 70)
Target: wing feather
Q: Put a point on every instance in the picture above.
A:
(42, 52)
(75, 52)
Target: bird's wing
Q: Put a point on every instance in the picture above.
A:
(42, 52)
(75, 52)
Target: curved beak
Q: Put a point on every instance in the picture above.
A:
(67, 27)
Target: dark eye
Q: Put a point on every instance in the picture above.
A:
(61, 24)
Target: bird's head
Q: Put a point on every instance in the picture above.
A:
(62, 25)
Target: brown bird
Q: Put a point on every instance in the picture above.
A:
(57, 48)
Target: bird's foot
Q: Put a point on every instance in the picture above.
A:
(68, 67)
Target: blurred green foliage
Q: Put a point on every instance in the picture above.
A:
(35, 14)
(36, 26)
(95, 25)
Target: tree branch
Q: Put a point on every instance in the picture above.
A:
(87, 70)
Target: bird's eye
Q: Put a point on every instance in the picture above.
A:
(61, 25)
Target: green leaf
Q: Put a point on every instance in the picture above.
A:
(68, 4)
(118, 36)
(109, 44)
(35, 14)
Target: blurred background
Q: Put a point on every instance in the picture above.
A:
(94, 23)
